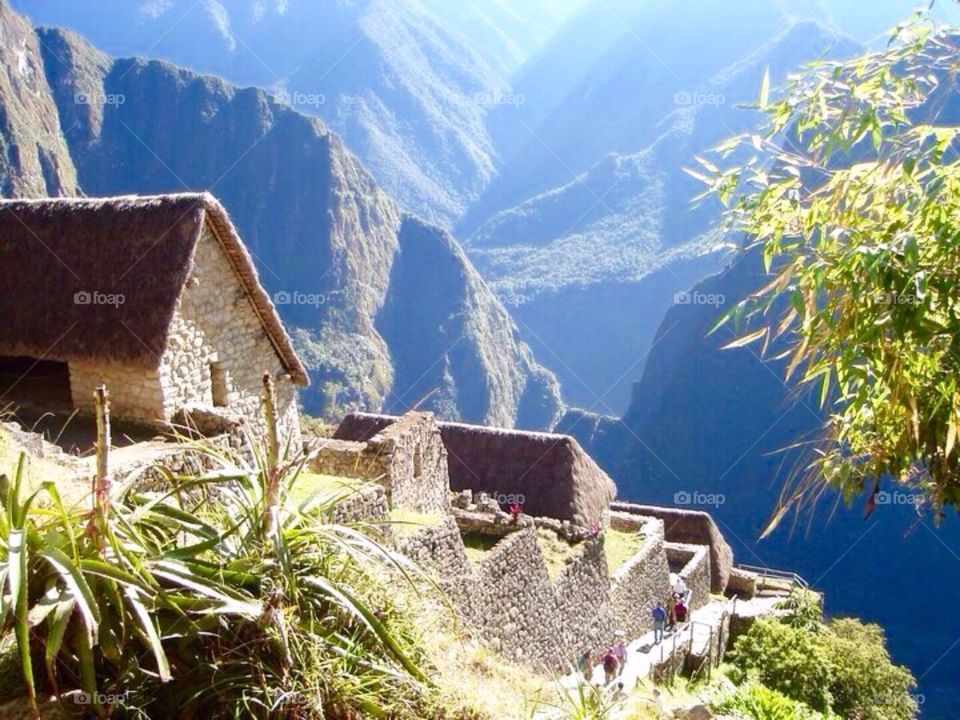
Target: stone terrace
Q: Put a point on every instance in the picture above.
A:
(525, 554)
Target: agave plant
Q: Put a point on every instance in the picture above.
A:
(217, 597)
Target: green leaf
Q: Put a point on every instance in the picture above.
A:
(150, 630)
(746, 339)
(765, 90)
(79, 589)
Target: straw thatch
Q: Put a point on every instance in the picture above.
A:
(140, 247)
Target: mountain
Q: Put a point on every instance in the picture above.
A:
(705, 422)
(637, 66)
(34, 159)
(329, 242)
(403, 89)
(613, 247)
(508, 32)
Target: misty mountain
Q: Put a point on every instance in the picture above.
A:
(404, 90)
(615, 246)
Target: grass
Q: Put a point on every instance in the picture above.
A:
(410, 522)
(620, 546)
(555, 551)
(73, 487)
(472, 681)
(310, 483)
(477, 545)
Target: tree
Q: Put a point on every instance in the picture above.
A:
(866, 684)
(852, 197)
(787, 659)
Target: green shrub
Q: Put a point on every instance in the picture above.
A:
(866, 684)
(801, 609)
(790, 660)
(758, 702)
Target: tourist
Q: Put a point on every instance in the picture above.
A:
(681, 611)
(659, 613)
(585, 664)
(620, 649)
(681, 589)
(611, 665)
(671, 611)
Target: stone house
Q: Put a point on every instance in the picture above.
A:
(154, 296)
(547, 474)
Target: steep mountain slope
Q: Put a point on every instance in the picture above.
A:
(705, 422)
(324, 234)
(614, 246)
(507, 31)
(612, 101)
(34, 160)
(406, 92)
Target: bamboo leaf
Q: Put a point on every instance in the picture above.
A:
(746, 339)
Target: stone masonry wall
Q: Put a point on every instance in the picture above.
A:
(690, 526)
(418, 478)
(215, 322)
(135, 393)
(348, 459)
(641, 581)
(407, 457)
(509, 600)
(694, 564)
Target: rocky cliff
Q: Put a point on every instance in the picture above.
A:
(614, 246)
(405, 91)
(326, 237)
(34, 160)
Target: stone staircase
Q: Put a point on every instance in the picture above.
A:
(695, 646)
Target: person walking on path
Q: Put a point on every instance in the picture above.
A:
(671, 611)
(659, 614)
(681, 611)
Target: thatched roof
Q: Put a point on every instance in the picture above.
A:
(555, 475)
(140, 247)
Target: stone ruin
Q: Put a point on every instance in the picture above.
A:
(517, 494)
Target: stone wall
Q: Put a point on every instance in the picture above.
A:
(550, 474)
(692, 563)
(693, 527)
(406, 457)
(417, 476)
(509, 600)
(135, 393)
(367, 504)
(348, 459)
(641, 581)
(215, 322)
